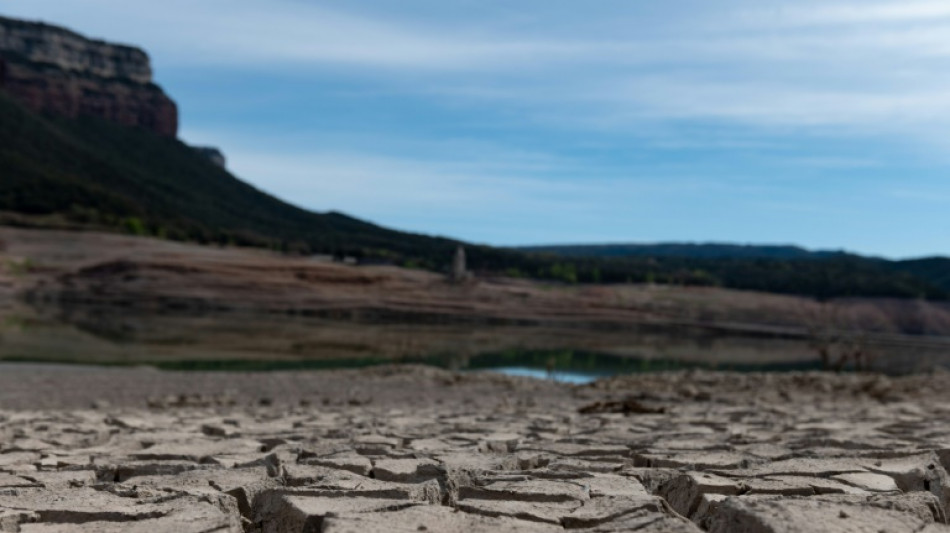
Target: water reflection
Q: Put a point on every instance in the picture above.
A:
(232, 341)
(575, 378)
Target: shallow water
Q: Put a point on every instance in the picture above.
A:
(575, 378)
(236, 342)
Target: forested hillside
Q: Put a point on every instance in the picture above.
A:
(933, 270)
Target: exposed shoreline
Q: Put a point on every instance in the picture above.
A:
(107, 284)
(63, 268)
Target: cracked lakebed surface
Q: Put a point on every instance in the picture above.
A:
(419, 449)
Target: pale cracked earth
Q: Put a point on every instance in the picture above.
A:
(418, 449)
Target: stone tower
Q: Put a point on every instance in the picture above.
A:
(459, 274)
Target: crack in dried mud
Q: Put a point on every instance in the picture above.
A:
(428, 450)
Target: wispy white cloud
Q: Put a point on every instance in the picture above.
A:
(930, 195)
(387, 184)
(837, 13)
(771, 103)
(407, 193)
(285, 32)
(472, 188)
(782, 64)
(832, 162)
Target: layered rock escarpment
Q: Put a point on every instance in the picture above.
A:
(54, 70)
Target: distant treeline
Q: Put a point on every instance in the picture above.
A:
(839, 276)
(779, 268)
(93, 174)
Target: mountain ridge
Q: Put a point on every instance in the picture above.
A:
(688, 249)
(708, 249)
(934, 268)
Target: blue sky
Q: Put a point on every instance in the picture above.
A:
(824, 123)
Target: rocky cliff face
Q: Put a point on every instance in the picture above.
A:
(54, 70)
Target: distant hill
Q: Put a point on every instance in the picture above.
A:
(691, 250)
(91, 171)
(932, 270)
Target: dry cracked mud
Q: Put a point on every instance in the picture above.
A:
(418, 449)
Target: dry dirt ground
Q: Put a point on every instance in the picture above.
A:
(419, 449)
